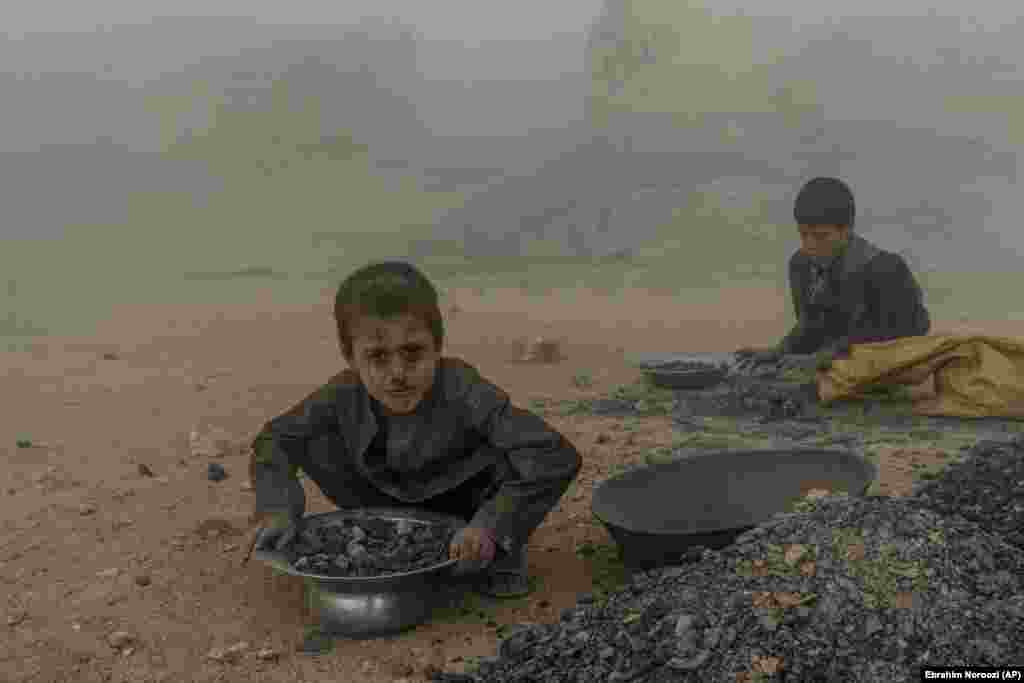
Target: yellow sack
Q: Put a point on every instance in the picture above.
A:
(974, 375)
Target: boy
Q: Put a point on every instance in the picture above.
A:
(845, 290)
(404, 426)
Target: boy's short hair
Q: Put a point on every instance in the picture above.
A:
(385, 289)
(825, 201)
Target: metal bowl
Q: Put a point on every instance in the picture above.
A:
(369, 607)
(660, 513)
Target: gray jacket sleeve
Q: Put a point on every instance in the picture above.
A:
(541, 464)
(794, 339)
(280, 449)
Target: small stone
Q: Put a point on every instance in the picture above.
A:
(210, 443)
(267, 654)
(16, 618)
(685, 624)
(711, 637)
(86, 509)
(215, 472)
(690, 663)
(228, 655)
(144, 470)
(687, 643)
(120, 639)
(163, 481)
(603, 438)
(246, 486)
(110, 356)
(111, 573)
(143, 580)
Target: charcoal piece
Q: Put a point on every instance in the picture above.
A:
(370, 547)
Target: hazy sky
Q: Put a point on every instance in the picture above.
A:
(476, 19)
(988, 13)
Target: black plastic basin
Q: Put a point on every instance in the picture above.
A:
(659, 514)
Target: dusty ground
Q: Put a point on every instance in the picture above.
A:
(90, 546)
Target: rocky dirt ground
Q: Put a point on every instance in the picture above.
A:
(121, 560)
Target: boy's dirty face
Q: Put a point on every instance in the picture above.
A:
(823, 241)
(396, 359)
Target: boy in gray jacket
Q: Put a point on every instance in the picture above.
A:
(406, 426)
(844, 289)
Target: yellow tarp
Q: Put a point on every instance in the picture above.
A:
(974, 375)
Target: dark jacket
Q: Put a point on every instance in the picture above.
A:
(872, 297)
(464, 425)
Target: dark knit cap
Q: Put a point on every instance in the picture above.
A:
(824, 201)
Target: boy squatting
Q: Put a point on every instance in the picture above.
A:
(406, 426)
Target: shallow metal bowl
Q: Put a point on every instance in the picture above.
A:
(659, 513)
(369, 607)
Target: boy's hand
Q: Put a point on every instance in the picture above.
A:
(473, 547)
(280, 532)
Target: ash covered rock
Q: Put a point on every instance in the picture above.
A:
(370, 547)
(862, 589)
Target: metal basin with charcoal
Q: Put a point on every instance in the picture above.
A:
(368, 607)
(685, 372)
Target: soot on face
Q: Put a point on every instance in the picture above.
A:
(370, 547)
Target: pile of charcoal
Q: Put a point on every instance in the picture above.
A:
(847, 589)
(761, 370)
(366, 547)
(689, 366)
(865, 590)
(987, 488)
(752, 399)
